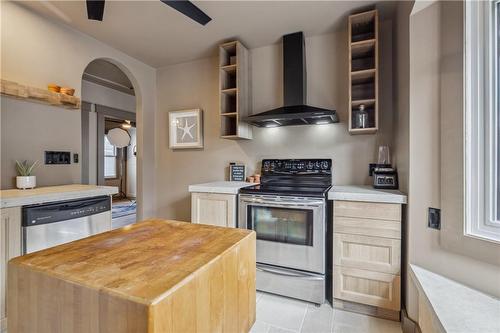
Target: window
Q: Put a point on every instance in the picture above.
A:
(497, 100)
(109, 159)
(482, 120)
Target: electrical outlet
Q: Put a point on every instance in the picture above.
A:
(75, 158)
(434, 218)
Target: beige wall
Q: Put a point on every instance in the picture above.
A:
(97, 94)
(435, 146)
(195, 84)
(36, 51)
(28, 130)
(401, 119)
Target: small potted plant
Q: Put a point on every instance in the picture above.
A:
(24, 179)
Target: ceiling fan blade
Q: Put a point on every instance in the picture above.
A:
(189, 9)
(95, 9)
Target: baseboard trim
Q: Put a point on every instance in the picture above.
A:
(366, 309)
(407, 324)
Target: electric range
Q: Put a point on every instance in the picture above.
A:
(288, 211)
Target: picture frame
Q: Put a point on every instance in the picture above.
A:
(185, 129)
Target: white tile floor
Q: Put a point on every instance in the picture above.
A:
(277, 314)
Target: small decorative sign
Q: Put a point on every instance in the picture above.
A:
(236, 172)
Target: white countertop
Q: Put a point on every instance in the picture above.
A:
(366, 193)
(222, 187)
(458, 308)
(15, 197)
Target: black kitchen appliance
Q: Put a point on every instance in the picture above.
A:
(385, 178)
(301, 177)
(295, 110)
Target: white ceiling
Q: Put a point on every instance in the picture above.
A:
(158, 35)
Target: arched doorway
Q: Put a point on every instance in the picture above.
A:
(109, 105)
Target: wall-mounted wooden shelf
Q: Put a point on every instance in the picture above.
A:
(233, 91)
(37, 95)
(363, 70)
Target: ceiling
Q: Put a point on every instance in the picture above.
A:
(109, 75)
(157, 35)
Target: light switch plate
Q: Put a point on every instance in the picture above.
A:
(434, 218)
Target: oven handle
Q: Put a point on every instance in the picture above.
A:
(289, 274)
(317, 203)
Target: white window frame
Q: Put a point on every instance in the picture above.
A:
(113, 154)
(481, 121)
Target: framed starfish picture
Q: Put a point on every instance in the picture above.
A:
(186, 129)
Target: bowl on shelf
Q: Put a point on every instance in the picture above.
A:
(53, 87)
(67, 91)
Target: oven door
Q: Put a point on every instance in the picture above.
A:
(290, 230)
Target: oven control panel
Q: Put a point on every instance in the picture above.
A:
(318, 166)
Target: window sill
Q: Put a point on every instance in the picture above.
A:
(453, 306)
(483, 238)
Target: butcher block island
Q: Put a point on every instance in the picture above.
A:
(153, 276)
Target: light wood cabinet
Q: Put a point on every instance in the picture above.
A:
(363, 70)
(10, 247)
(213, 208)
(367, 287)
(367, 254)
(368, 227)
(368, 210)
(234, 88)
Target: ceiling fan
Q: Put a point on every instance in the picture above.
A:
(95, 10)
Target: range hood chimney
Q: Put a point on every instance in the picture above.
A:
(295, 110)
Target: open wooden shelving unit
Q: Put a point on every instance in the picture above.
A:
(233, 91)
(38, 95)
(363, 69)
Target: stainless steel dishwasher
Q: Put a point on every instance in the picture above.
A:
(52, 224)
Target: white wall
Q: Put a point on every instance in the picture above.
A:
(36, 51)
(97, 94)
(195, 85)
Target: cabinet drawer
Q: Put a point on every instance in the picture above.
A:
(367, 227)
(365, 252)
(368, 210)
(366, 287)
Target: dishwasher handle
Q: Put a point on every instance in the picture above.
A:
(64, 210)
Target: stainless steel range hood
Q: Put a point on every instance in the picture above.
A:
(295, 110)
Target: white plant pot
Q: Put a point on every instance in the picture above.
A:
(24, 182)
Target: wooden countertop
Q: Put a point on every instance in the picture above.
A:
(15, 197)
(142, 262)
